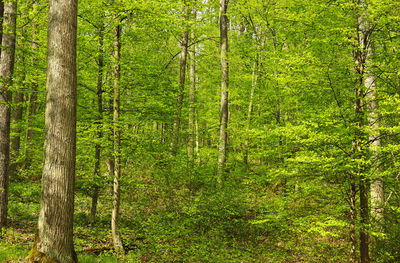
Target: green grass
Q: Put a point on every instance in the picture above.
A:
(96, 259)
(11, 252)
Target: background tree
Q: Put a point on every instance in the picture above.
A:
(223, 133)
(6, 73)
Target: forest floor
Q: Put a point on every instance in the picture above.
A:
(186, 224)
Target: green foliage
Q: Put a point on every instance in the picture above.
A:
(288, 203)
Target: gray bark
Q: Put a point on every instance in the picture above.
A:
(6, 72)
(15, 143)
(364, 31)
(182, 78)
(117, 140)
(31, 108)
(55, 235)
(192, 97)
(377, 187)
(1, 22)
(97, 174)
(223, 136)
(255, 74)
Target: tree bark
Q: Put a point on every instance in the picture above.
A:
(1, 22)
(31, 108)
(15, 143)
(377, 187)
(353, 218)
(192, 97)
(182, 77)
(6, 72)
(99, 122)
(363, 36)
(117, 140)
(55, 236)
(223, 136)
(255, 74)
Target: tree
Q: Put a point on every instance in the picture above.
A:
(97, 172)
(117, 143)
(32, 97)
(54, 240)
(182, 78)
(6, 73)
(192, 96)
(223, 135)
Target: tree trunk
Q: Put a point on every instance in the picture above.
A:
(353, 218)
(99, 135)
(182, 77)
(15, 143)
(1, 22)
(377, 187)
(55, 236)
(358, 154)
(256, 72)
(364, 31)
(117, 152)
(6, 72)
(192, 98)
(196, 127)
(31, 108)
(223, 136)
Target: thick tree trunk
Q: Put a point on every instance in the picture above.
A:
(182, 78)
(1, 22)
(97, 174)
(6, 72)
(117, 152)
(223, 135)
(55, 235)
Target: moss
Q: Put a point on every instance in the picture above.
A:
(35, 256)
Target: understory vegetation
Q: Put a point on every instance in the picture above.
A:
(190, 219)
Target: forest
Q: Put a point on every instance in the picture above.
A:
(200, 131)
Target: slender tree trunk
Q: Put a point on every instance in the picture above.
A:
(182, 77)
(223, 135)
(31, 109)
(377, 187)
(117, 152)
(353, 218)
(196, 127)
(256, 72)
(55, 236)
(15, 143)
(110, 134)
(99, 135)
(192, 97)
(359, 141)
(364, 44)
(6, 72)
